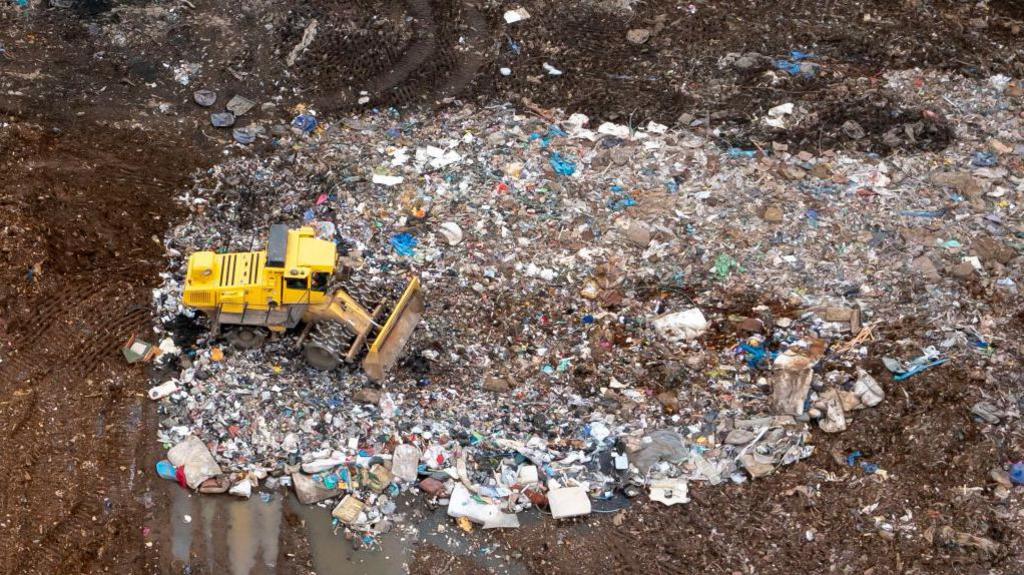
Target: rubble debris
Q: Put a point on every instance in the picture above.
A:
(348, 510)
(681, 326)
(568, 502)
(610, 343)
(308, 491)
(669, 491)
(204, 98)
(197, 461)
(239, 105)
(136, 350)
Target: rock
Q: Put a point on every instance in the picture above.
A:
(204, 98)
(222, 119)
(1001, 477)
(772, 215)
(924, 267)
(747, 61)
(984, 410)
(853, 130)
(695, 361)
(868, 389)
(621, 156)
(309, 491)
(669, 401)
(740, 437)
(367, 395)
(638, 36)
(242, 489)
(751, 325)
(496, 385)
(639, 233)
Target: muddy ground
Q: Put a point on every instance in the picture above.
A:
(96, 138)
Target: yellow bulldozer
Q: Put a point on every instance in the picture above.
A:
(248, 294)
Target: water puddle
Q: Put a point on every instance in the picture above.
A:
(254, 528)
(242, 537)
(181, 530)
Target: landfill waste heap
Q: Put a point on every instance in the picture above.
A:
(613, 311)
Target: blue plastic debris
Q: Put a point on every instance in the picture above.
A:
(924, 213)
(404, 244)
(796, 65)
(621, 203)
(852, 458)
(757, 355)
(869, 468)
(166, 470)
(1017, 473)
(812, 215)
(791, 68)
(738, 153)
(984, 160)
(305, 123)
(561, 165)
(918, 368)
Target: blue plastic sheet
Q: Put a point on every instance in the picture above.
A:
(305, 123)
(561, 165)
(404, 244)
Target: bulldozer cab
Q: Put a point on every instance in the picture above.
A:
(294, 270)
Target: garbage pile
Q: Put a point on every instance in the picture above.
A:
(611, 310)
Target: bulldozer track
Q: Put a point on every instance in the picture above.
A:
(428, 51)
(70, 414)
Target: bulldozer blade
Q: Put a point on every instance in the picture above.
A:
(387, 347)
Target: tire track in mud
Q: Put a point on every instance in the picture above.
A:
(434, 51)
(71, 408)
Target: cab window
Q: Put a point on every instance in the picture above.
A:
(320, 281)
(295, 283)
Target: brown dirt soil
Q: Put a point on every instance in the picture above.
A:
(425, 52)
(81, 206)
